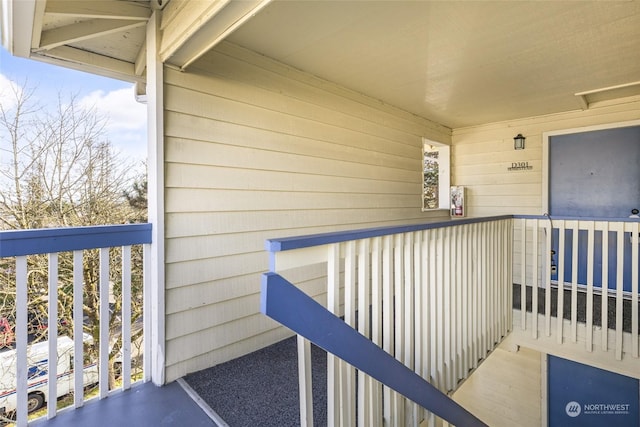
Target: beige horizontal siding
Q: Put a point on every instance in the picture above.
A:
(481, 156)
(256, 150)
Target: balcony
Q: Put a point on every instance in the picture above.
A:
(441, 297)
(405, 313)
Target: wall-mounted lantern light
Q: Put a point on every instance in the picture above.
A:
(518, 142)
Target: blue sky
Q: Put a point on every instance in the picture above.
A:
(113, 99)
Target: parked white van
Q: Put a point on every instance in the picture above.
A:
(38, 357)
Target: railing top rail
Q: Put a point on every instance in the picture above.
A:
(51, 240)
(299, 242)
(576, 218)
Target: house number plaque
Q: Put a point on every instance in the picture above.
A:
(520, 166)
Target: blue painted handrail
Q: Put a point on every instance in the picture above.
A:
(299, 242)
(288, 305)
(52, 240)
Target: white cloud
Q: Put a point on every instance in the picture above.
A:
(126, 119)
(120, 107)
(8, 90)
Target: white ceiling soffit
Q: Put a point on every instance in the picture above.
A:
(104, 37)
(459, 63)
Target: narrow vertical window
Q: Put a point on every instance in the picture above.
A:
(431, 189)
(435, 176)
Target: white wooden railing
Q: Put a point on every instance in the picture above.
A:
(435, 296)
(16, 248)
(588, 261)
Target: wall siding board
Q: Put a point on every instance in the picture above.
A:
(207, 200)
(204, 129)
(183, 151)
(204, 176)
(280, 222)
(285, 161)
(256, 150)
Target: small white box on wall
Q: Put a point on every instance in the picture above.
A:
(458, 209)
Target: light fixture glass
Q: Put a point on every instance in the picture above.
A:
(518, 142)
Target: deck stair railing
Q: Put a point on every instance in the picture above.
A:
(561, 267)
(434, 297)
(72, 244)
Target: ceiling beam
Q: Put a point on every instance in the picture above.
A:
(99, 9)
(141, 60)
(77, 59)
(85, 30)
(180, 23)
(38, 19)
(187, 39)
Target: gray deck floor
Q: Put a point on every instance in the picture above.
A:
(144, 405)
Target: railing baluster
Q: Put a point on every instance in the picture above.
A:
(447, 289)
(398, 269)
(333, 363)
(634, 289)
(560, 275)
(431, 294)
(547, 278)
(475, 285)
(574, 280)
(388, 313)
(364, 302)
(464, 306)
(376, 323)
(305, 382)
(605, 287)
(534, 280)
(440, 313)
(523, 274)
(348, 376)
(126, 318)
(590, 262)
(619, 289)
(458, 285)
(52, 335)
(21, 340)
(103, 356)
(419, 334)
(78, 332)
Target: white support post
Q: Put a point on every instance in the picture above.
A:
(155, 134)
